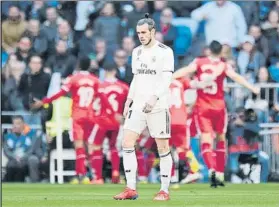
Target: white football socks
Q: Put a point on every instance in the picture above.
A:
(130, 167)
(165, 170)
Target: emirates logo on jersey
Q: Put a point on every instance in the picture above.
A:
(146, 71)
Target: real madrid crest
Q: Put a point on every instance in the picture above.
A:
(153, 59)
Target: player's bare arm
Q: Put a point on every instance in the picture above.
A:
(241, 80)
(39, 103)
(185, 71)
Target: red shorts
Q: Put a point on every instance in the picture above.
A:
(179, 136)
(81, 128)
(209, 120)
(99, 134)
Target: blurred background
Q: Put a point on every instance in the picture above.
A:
(62, 31)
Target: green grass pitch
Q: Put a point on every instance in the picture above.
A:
(193, 195)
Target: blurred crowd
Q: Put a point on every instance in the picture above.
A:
(59, 32)
(41, 38)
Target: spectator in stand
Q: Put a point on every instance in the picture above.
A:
(274, 49)
(251, 12)
(238, 145)
(33, 85)
(37, 37)
(262, 103)
(222, 14)
(86, 43)
(265, 8)
(5, 5)
(67, 10)
(62, 61)
(183, 8)
(250, 59)
(36, 10)
(15, 69)
(12, 30)
(6, 69)
(159, 6)
(261, 42)
(270, 27)
(228, 54)
(94, 66)
(83, 11)
(24, 50)
(103, 57)
(140, 8)
(166, 28)
(276, 6)
(51, 24)
(128, 44)
(124, 71)
(65, 33)
(18, 147)
(108, 26)
(159, 37)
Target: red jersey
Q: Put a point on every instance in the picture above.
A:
(116, 92)
(84, 88)
(177, 108)
(212, 97)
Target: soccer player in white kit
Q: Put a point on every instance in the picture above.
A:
(147, 105)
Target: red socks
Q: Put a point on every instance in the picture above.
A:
(220, 156)
(80, 162)
(115, 160)
(97, 163)
(207, 156)
(141, 163)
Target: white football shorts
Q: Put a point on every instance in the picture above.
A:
(158, 122)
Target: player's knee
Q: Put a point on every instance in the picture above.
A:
(221, 137)
(92, 148)
(126, 143)
(129, 139)
(206, 137)
(96, 147)
(163, 145)
(78, 144)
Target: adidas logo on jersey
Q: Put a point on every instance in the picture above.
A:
(146, 71)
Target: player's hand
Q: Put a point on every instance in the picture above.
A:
(256, 90)
(37, 104)
(150, 104)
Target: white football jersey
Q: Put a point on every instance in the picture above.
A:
(148, 65)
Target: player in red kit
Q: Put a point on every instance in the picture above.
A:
(211, 108)
(84, 88)
(179, 132)
(178, 112)
(116, 91)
